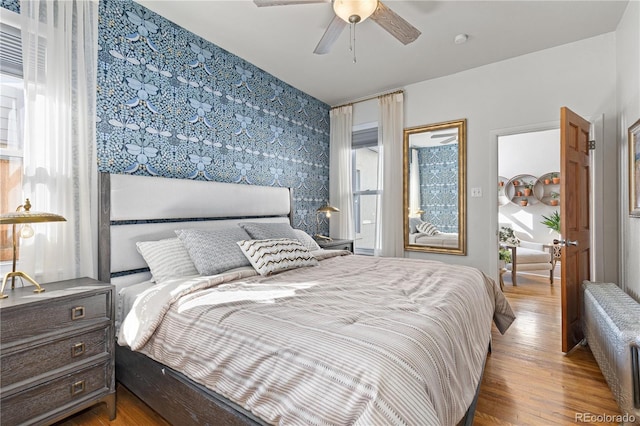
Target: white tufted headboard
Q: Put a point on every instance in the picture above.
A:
(143, 208)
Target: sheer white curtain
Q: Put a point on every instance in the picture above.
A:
(390, 239)
(60, 45)
(414, 184)
(340, 188)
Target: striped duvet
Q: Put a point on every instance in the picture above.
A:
(354, 340)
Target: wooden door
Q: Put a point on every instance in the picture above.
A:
(574, 222)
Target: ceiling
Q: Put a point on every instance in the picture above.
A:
(281, 39)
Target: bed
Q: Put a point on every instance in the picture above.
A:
(312, 345)
(441, 239)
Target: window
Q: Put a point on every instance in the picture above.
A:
(11, 129)
(366, 194)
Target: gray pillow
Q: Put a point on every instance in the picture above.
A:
(268, 231)
(214, 251)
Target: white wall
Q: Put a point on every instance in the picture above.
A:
(504, 97)
(628, 84)
(533, 153)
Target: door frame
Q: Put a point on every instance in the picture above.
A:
(598, 257)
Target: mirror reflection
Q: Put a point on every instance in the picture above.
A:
(434, 187)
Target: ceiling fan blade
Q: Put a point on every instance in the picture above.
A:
(394, 24)
(330, 36)
(264, 3)
(451, 139)
(443, 135)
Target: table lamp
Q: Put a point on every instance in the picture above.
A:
(327, 210)
(23, 215)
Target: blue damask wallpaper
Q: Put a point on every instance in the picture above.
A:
(439, 186)
(173, 104)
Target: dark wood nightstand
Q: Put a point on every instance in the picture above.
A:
(56, 351)
(336, 244)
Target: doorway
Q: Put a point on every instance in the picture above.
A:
(528, 198)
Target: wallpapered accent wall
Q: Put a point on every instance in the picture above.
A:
(173, 104)
(12, 5)
(439, 186)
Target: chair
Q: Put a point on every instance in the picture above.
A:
(530, 256)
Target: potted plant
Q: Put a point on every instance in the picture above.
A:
(516, 183)
(552, 221)
(518, 193)
(528, 189)
(524, 201)
(554, 198)
(505, 257)
(555, 178)
(547, 181)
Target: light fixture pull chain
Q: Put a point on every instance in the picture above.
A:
(353, 41)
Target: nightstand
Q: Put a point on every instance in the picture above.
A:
(336, 244)
(56, 351)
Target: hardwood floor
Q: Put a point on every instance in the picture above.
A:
(527, 379)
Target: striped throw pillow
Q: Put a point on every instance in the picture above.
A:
(427, 228)
(166, 259)
(276, 255)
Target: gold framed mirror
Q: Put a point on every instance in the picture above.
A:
(434, 187)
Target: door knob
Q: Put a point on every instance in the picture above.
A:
(565, 242)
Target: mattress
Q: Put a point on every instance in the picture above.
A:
(354, 340)
(441, 239)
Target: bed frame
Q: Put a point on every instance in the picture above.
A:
(139, 208)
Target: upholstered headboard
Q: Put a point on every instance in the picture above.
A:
(143, 208)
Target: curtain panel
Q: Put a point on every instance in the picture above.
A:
(59, 47)
(390, 239)
(340, 185)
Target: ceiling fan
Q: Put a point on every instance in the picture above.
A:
(353, 12)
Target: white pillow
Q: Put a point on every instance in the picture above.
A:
(270, 256)
(166, 259)
(427, 228)
(306, 240)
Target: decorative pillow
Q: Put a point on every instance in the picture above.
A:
(166, 259)
(413, 224)
(306, 240)
(276, 255)
(267, 231)
(427, 228)
(214, 251)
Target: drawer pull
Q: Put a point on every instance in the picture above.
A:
(77, 387)
(77, 349)
(77, 313)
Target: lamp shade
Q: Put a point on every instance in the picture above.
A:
(27, 216)
(354, 11)
(327, 209)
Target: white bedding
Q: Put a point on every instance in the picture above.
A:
(355, 340)
(441, 239)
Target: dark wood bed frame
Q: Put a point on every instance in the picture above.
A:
(171, 394)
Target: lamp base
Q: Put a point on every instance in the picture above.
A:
(22, 275)
(322, 237)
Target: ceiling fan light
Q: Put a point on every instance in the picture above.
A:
(354, 11)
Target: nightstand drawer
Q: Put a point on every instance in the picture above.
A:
(58, 314)
(35, 361)
(56, 394)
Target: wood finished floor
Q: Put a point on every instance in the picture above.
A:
(527, 379)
